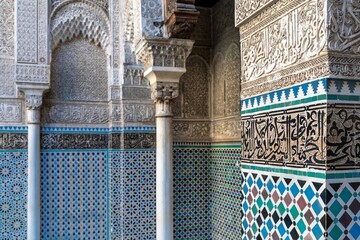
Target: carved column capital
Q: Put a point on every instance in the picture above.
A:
(33, 101)
(164, 54)
(164, 63)
(163, 93)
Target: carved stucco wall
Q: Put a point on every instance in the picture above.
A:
(192, 107)
(79, 72)
(283, 45)
(11, 109)
(226, 74)
(78, 77)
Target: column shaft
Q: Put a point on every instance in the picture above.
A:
(33, 198)
(164, 178)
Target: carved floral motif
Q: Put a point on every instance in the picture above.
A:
(195, 89)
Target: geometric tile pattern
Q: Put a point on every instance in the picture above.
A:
(132, 191)
(191, 192)
(282, 206)
(225, 192)
(343, 208)
(325, 89)
(13, 188)
(74, 194)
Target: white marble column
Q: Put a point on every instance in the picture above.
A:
(164, 161)
(164, 63)
(33, 103)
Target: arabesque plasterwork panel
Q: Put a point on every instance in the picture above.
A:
(295, 37)
(344, 26)
(245, 9)
(7, 28)
(7, 82)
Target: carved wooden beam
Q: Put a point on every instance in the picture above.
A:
(180, 18)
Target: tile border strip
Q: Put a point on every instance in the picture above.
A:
(304, 172)
(311, 92)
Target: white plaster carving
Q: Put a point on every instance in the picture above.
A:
(43, 32)
(33, 101)
(134, 75)
(245, 9)
(7, 84)
(6, 28)
(344, 25)
(295, 37)
(132, 113)
(232, 80)
(219, 86)
(76, 114)
(80, 19)
(139, 113)
(171, 53)
(191, 130)
(226, 129)
(79, 72)
(10, 112)
(32, 73)
(27, 34)
(101, 3)
(195, 92)
(151, 11)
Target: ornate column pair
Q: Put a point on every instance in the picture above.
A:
(164, 64)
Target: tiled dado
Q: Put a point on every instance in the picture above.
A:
(74, 194)
(13, 169)
(207, 191)
(225, 192)
(287, 203)
(191, 191)
(316, 91)
(132, 191)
